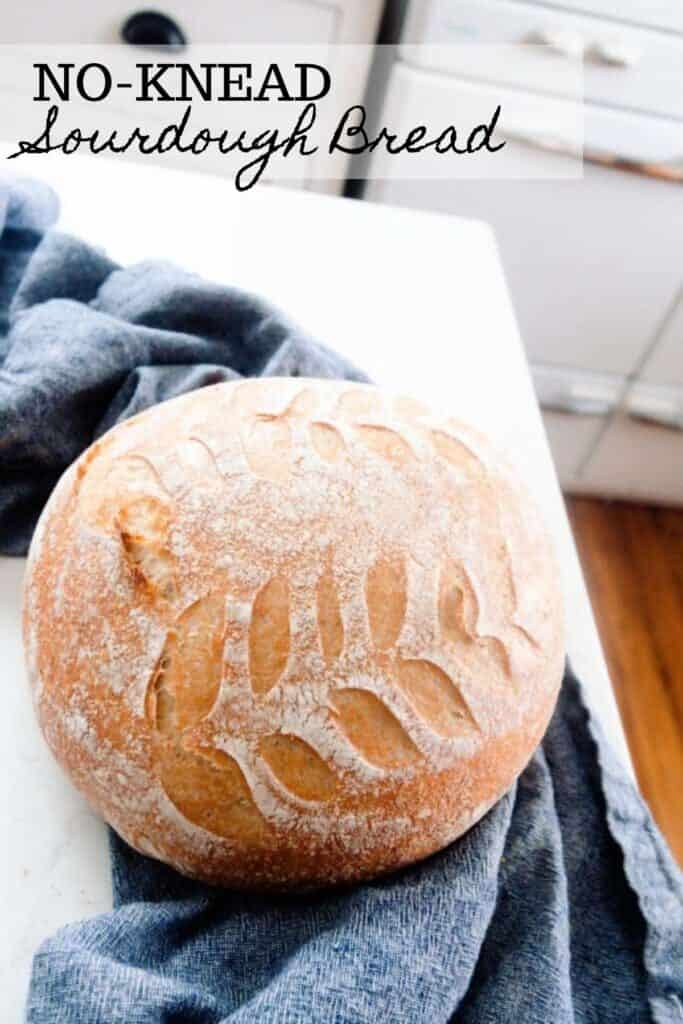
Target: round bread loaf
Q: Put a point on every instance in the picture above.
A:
(291, 632)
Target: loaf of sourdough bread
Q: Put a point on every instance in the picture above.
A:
(292, 632)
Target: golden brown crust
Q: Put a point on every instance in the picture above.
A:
(288, 632)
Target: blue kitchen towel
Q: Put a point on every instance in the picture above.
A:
(85, 344)
(561, 905)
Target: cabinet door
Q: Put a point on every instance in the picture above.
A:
(638, 459)
(592, 264)
(575, 407)
(211, 21)
(663, 367)
(654, 13)
(571, 438)
(326, 28)
(624, 66)
(641, 454)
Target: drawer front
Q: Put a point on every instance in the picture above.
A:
(637, 459)
(663, 14)
(656, 404)
(575, 406)
(571, 440)
(576, 393)
(623, 65)
(215, 31)
(211, 21)
(592, 264)
(664, 365)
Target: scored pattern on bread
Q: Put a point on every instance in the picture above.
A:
(386, 600)
(198, 463)
(269, 635)
(143, 525)
(327, 441)
(435, 697)
(185, 687)
(297, 766)
(357, 403)
(457, 453)
(187, 680)
(267, 439)
(372, 729)
(186, 684)
(330, 622)
(209, 788)
(386, 443)
(459, 615)
(268, 447)
(323, 586)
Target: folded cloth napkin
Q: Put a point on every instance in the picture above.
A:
(562, 905)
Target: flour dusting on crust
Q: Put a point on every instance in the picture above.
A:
(291, 632)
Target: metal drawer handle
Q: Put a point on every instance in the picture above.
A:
(615, 53)
(602, 157)
(575, 392)
(658, 413)
(558, 41)
(576, 405)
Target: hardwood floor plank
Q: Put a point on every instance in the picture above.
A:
(632, 557)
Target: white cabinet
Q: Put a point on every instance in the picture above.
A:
(576, 407)
(592, 264)
(640, 454)
(637, 460)
(206, 21)
(664, 365)
(625, 66)
(663, 14)
(571, 438)
(214, 31)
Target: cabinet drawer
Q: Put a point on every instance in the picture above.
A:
(575, 407)
(663, 14)
(664, 365)
(575, 393)
(216, 31)
(638, 460)
(571, 439)
(623, 65)
(211, 21)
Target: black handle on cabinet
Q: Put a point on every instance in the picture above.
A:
(153, 29)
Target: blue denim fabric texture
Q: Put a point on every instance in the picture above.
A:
(562, 905)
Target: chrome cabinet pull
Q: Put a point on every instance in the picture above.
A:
(602, 157)
(576, 393)
(615, 54)
(564, 43)
(576, 405)
(657, 413)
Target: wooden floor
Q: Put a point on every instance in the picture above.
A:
(632, 557)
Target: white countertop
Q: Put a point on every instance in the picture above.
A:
(417, 300)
